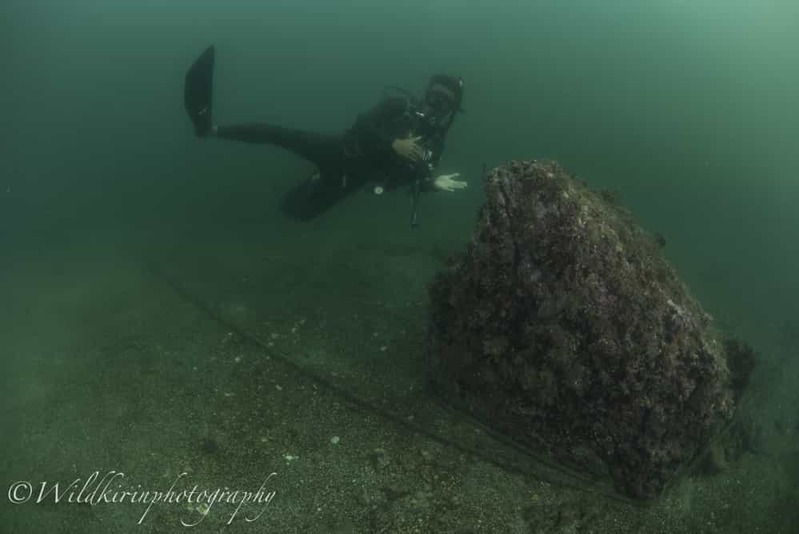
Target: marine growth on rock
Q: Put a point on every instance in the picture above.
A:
(563, 326)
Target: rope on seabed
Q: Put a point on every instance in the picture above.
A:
(575, 481)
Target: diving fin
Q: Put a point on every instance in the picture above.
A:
(198, 91)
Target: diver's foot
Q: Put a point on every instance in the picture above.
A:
(203, 124)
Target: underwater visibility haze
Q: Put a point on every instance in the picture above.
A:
(181, 349)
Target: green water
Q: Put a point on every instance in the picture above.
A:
(160, 315)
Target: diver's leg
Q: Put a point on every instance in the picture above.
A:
(325, 151)
(325, 188)
(322, 150)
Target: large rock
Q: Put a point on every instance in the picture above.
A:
(563, 327)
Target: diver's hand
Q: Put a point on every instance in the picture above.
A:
(445, 182)
(409, 148)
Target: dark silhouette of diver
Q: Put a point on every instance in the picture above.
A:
(399, 142)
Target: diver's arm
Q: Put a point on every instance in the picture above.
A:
(432, 181)
(427, 182)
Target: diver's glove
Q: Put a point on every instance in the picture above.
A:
(445, 182)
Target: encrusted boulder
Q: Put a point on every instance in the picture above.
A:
(563, 326)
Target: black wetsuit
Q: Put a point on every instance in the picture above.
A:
(360, 155)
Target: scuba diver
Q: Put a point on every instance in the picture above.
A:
(397, 143)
